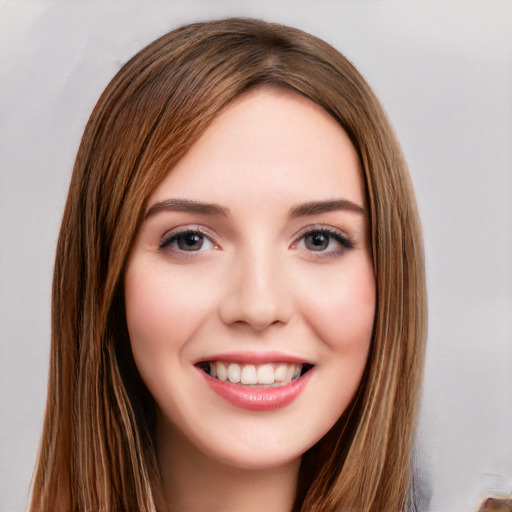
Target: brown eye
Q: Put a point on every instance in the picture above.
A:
(190, 241)
(317, 241)
(323, 241)
(187, 241)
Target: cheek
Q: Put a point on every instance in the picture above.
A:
(158, 299)
(342, 318)
(342, 311)
(160, 314)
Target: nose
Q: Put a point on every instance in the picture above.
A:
(257, 295)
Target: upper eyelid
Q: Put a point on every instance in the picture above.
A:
(343, 237)
(321, 227)
(189, 228)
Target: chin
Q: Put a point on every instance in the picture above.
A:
(258, 460)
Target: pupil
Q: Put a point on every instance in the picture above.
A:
(318, 241)
(190, 242)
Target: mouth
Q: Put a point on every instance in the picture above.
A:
(257, 376)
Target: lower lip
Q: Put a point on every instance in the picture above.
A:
(258, 399)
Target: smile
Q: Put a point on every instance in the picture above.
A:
(255, 375)
(256, 387)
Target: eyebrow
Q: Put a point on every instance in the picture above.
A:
(188, 205)
(301, 210)
(316, 207)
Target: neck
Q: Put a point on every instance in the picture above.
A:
(194, 482)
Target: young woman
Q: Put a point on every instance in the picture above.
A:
(239, 298)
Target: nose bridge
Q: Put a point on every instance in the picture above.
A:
(257, 295)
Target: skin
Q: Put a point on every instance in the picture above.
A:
(257, 284)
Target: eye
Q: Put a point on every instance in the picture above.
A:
(317, 241)
(323, 240)
(187, 240)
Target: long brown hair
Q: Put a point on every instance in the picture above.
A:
(96, 451)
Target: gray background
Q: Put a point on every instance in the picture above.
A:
(443, 71)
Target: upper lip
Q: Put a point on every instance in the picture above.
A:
(255, 357)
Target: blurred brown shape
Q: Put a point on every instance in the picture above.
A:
(496, 505)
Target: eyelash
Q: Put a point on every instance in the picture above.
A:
(175, 234)
(330, 233)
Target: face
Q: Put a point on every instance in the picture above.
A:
(250, 293)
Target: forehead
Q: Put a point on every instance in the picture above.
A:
(269, 142)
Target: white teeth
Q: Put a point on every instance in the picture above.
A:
(222, 373)
(265, 374)
(234, 373)
(280, 372)
(248, 375)
(251, 374)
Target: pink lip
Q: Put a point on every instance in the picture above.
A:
(255, 358)
(257, 399)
